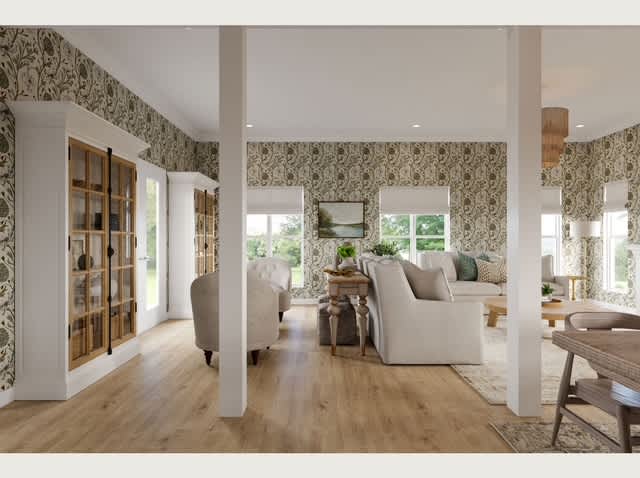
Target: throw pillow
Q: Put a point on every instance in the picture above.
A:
(494, 272)
(484, 257)
(427, 284)
(467, 269)
(435, 259)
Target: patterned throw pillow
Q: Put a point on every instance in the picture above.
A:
(494, 272)
(467, 269)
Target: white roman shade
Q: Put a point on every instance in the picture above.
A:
(615, 195)
(275, 200)
(414, 200)
(551, 200)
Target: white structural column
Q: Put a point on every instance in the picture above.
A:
(524, 326)
(232, 232)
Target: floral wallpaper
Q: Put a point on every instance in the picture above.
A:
(475, 172)
(38, 64)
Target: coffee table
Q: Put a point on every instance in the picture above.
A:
(551, 312)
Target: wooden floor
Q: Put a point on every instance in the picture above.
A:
(300, 400)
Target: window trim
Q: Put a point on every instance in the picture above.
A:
(558, 262)
(269, 240)
(413, 243)
(608, 272)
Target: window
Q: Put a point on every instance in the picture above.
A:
(615, 236)
(277, 235)
(415, 233)
(415, 218)
(552, 239)
(275, 226)
(615, 244)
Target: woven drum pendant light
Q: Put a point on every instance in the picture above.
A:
(555, 128)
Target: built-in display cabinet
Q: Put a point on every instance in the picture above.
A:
(75, 248)
(191, 236)
(204, 207)
(91, 313)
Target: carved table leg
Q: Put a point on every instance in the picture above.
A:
(334, 310)
(363, 310)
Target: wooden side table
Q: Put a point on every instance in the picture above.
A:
(356, 284)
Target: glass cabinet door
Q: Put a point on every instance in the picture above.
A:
(91, 217)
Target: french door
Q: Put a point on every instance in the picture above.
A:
(152, 245)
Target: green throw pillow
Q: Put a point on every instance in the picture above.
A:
(484, 257)
(468, 268)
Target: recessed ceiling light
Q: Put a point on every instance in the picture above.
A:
(580, 125)
(249, 125)
(415, 125)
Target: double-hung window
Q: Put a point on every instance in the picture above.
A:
(552, 226)
(275, 227)
(416, 219)
(615, 237)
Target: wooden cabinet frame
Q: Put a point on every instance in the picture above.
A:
(82, 338)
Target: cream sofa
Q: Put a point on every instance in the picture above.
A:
(474, 291)
(406, 330)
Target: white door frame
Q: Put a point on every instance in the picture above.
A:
(150, 318)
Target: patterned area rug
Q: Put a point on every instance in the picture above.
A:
(536, 437)
(489, 380)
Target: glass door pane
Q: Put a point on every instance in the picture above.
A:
(96, 163)
(152, 219)
(96, 325)
(78, 343)
(79, 211)
(78, 167)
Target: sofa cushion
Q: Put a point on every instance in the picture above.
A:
(427, 284)
(443, 259)
(547, 268)
(467, 268)
(460, 288)
(494, 272)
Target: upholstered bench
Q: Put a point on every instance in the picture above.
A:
(347, 326)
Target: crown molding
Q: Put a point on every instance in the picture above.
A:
(146, 91)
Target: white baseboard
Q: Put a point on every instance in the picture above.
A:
(6, 397)
(180, 313)
(82, 377)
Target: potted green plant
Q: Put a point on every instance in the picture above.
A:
(385, 248)
(547, 292)
(347, 253)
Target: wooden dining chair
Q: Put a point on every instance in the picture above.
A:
(609, 396)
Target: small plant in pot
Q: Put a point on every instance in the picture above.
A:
(547, 293)
(347, 255)
(385, 248)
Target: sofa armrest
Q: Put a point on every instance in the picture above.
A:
(445, 328)
(564, 282)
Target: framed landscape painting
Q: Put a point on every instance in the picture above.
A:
(341, 219)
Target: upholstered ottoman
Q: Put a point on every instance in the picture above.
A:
(347, 328)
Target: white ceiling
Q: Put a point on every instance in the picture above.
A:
(372, 83)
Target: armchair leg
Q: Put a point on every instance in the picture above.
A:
(254, 356)
(281, 314)
(207, 356)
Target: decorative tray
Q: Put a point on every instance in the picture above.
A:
(345, 273)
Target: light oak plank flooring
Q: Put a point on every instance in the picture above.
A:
(300, 400)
